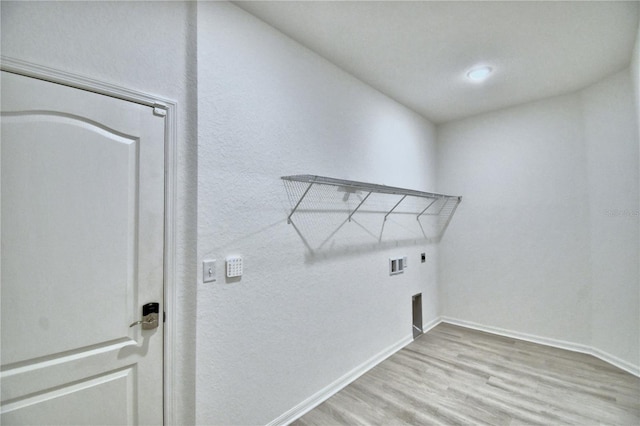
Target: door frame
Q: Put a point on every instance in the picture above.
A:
(168, 109)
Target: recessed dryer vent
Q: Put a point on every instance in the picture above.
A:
(416, 303)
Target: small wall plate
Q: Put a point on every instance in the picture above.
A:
(209, 271)
(234, 266)
(396, 265)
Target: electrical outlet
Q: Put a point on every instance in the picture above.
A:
(397, 265)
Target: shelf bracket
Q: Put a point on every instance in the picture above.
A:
(361, 203)
(442, 207)
(299, 201)
(453, 210)
(427, 208)
(394, 207)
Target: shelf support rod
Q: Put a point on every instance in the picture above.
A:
(361, 203)
(427, 208)
(453, 210)
(299, 201)
(394, 207)
(443, 206)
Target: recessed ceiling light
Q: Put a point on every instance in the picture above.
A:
(479, 73)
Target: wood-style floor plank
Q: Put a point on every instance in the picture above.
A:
(454, 375)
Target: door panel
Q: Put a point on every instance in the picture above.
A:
(73, 213)
(60, 405)
(82, 218)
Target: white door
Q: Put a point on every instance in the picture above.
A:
(82, 215)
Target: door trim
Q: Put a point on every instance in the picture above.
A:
(28, 69)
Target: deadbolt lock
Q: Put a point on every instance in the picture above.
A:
(149, 319)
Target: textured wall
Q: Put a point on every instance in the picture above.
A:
(518, 257)
(514, 255)
(611, 137)
(144, 46)
(297, 320)
(635, 78)
(546, 242)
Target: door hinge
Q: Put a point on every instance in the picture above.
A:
(160, 109)
(164, 316)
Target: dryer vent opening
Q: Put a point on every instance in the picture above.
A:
(416, 302)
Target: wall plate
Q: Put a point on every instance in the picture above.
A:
(397, 265)
(208, 271)
(234, 266)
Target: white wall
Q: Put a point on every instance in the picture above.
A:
(546, 241)
(296, 320)
(635, 70)
(144, 46)
(635, 78)
(517, 256)
(611, 137)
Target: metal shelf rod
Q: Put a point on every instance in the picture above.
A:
(441, 208)
(361, 203)
(299, 201)
(427, 208)
(453, 210)
(363, 186)
(394, 207)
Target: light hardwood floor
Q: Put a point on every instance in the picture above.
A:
(455, 375)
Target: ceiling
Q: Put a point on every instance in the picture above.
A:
(418, 53)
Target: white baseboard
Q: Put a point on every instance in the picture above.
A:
(562, 344)
(333, 388)
(428, 326)
(614, 360)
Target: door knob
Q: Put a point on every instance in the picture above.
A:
(149, 319)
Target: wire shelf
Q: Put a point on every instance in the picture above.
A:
(432, 204)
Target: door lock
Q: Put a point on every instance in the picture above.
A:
(149, 319)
